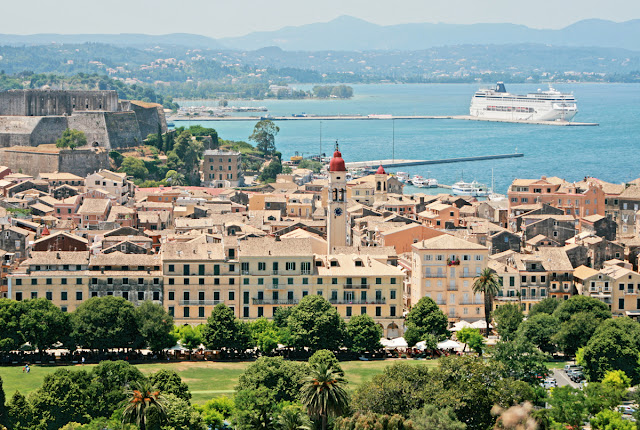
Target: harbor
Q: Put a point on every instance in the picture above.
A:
(372, 117)
(392, 163)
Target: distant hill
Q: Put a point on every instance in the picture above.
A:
(348, 34)
(122, 40)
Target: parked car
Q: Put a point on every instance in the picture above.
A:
(570, 367)
(576, 376)
(549, 383)
(626, 409)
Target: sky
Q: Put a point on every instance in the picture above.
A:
(230, 18)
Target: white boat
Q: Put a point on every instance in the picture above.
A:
(402, 177)
(474, 188)
(497, 103)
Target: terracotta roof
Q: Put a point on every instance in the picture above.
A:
(120, 259)
(445, 242)
(192, 251)
(44, 258)
(268, 246)
(94, 206)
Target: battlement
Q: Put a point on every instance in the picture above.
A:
(56, 102)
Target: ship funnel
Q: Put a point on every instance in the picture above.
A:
(500, 88)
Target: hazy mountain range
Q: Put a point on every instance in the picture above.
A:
(352, 34)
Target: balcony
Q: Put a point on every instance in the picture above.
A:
(200, 302)
(472, 302)
(306, 271)
(441, 302)
(435, 275)
(358, 302)
(275, 272)
(356, 286)
(245, 272)
(629, 292)
(274, 302)
(452, 288)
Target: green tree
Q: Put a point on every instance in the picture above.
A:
(472, 337)
(508, 318)
(180, 415)
(425, 318)
(215, 411)
(145, 406)
(431, 417)
(576, 332)
(544, 306)
(263, 385)
(293, 417)
(105, 322)
(370, 420)
(314, 323)
(11, 337)
(326, 357)
(614, 346)
(487, 284)
(265, 334)
(42, 323)
(174, 178)
(568, 406)
(223, 330)
(323, 393)
(271, 171)
(20, 413)
(363, 334)
(521, 360)
(116, 157)
(109, 382)
(264, 134)
(601, 396)
(3, 409)
(61, 399)
(540, 329)
(155, 325)
(169, 382)
(190, 337)
(71, 139)
(576, 304)
(611, 420)
(134, 167)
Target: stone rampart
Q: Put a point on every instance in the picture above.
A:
(33, 161)
(56, 102)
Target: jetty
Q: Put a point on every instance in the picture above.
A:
(372, 117)
(403, 163)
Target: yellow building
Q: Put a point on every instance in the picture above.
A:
(61, 277)
(615, 285)
(197, 277)
(444, 268)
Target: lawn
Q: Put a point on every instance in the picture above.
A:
(205, 379)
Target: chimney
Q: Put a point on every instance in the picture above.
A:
(58, 255)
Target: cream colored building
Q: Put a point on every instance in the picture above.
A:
(615, 285)
(444, 268)
(197, 277)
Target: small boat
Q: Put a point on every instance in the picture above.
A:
(402, 177)
(474, 189)
(420, 182)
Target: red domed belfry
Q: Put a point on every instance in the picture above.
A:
(337, 218)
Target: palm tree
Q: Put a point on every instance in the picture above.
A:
(323, 392)
(488, 284)
(293, 418)
(144, 407)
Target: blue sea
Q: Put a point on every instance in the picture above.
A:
(609, 151)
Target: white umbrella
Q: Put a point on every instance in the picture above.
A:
(460, 325)
(178, 347)
(449, 344)
(481, 324)
(422, 345)
(384, 341)
(398, 342)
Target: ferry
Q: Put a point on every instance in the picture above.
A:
(474, 189)
(497, 103)
(420, 182)
(403, 177)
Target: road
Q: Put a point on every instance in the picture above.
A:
(562, 379)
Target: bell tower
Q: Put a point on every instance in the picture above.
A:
(380, 192)
(337, 223)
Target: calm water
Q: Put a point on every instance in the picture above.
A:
(609, 152)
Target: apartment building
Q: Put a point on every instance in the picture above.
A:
(114, 184)
(580, 200)
(61, 277)
(615, 285)
(222, 169)
(197, 277)
(444, 268)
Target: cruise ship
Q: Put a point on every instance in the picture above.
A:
(497, 103)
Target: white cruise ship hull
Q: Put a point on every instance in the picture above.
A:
(542, 106)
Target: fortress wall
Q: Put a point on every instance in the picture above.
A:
(93, 125)
(30, 162)
(16, 131)
(48, 129)
(83, 162)
(123, 129)
(12, 103)
(149, 117)
(56, 102)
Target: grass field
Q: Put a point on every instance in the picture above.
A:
(205, 379)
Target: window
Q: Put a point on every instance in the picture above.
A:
(18, 281)
(260, 311)
(290, 265)
(620, 303)
(186, 312)
(18, 295)
(232, 295)
(378, 281)
(171, 268)
(428, 257)
(79, 296)
(63, 281)
(392, 311)
(348, 311)
(262, 266)
(393, 281)
(63, 295)
(201, 269)
(49, 295)
(200, 281)
(245, 312)
(392, 294)
(363, 310)
(171, 311)
(34, 281)
(378, 311)
(125, 295)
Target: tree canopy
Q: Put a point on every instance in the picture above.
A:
(363, 334)
(223, 330)
(264, 134)
(71, 139)
(508, 318)
(425, 318)
(315, 323)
